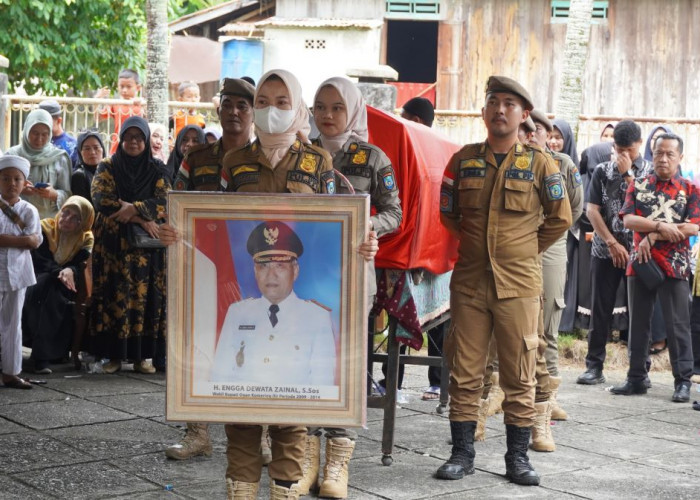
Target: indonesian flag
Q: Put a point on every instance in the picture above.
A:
(215, 285)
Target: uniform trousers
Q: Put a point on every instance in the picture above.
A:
(674, 304)
(245, 460)
(513, 324)
(11, 303)
(554, 283)
(604, 283)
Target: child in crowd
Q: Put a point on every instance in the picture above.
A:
(129, 87)
(187, 92)
(19, 232)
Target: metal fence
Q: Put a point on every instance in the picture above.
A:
(81, 114)
(462, 127)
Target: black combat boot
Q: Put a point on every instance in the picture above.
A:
(518, 468)
(461, 462)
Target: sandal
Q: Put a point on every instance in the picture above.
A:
(658, 347)
(432, 393)
(17, 383)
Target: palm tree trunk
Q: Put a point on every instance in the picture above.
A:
(578, 30)
(157, 61)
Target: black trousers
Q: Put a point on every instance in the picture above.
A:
(673, 294)
(605, 279)
(695, 334)
(435, 338)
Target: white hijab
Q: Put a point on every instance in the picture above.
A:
(275, 146)
(356, 126)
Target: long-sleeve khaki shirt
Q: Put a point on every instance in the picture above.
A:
(497, 213)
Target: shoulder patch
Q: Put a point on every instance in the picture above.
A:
(577, 176)
(328, 178)
(554, 186)
(388, 179)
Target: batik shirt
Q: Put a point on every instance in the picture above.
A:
(607, 189)
(674, 201)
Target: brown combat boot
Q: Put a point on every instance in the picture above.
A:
(196, 442)
(266, 445)
(480, 433)
(311, 464)
(496, 396)
(238, 490)
(335, 473)
(278, 492)
(542, 438)
(557, 412)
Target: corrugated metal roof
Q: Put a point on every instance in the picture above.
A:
(278, 22)
(246, 29)
(209, 14)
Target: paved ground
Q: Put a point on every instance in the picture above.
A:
(103, 436)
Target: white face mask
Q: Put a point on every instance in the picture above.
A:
(273, 120)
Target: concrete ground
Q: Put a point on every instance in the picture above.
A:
(103, 436)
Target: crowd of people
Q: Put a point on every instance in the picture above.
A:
(548, 241)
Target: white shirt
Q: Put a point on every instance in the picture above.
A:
(16, 269)
(298, 350)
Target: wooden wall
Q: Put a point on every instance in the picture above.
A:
(645, 61)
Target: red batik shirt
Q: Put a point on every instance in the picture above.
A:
(674, 201)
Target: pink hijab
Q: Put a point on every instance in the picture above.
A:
(356, 126)
(275, 146)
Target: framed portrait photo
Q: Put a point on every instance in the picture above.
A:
(267, 309)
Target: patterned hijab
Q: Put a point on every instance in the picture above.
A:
(65, 246)
(356, 126)
(275, 146)
(38, 157)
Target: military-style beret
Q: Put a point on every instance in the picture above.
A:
(236, 86)
(529, 125)
(539, 117)
(274, 241)
(51, 106)
(505, 84)
(21, 164)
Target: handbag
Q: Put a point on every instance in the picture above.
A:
(649, 272)
(138, 237)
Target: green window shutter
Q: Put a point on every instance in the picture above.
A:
(428, 10)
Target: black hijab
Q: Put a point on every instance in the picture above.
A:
(595, 155)
(136, 176)
(569, 144)
(81, 139)
(176, 157)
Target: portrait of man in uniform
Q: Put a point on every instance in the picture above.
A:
(275, 337)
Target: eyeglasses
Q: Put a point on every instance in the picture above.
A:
(134, 137)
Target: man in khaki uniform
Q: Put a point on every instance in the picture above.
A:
(492, 199)
(201, 171)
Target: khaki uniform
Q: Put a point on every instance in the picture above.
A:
(496, 283)
(554, 264)
(369, 171)
(304, 169)
(201, 168)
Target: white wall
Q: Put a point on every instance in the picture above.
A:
(346, 9)
(344, 49)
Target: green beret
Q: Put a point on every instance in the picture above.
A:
(510, 86)
(529, 125)
(236, 86)
(539, 117)
(274, 241)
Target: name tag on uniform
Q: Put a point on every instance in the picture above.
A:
(246, 327)
(523, 175)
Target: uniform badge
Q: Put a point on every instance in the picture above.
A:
(360, 158)
(554, 186)
(522, 163)
(353, 147)
(577, 177)
(472, 167)
(388, 180)
(445, 201)
(330, 186)
(254, 147)
(242, 169)
(472, 163)
(180, 185)
(308, 163)
(271, 235)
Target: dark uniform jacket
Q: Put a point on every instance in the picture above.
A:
(201, 168)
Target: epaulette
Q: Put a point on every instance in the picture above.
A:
(319, 304)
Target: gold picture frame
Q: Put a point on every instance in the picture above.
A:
(226, 360)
